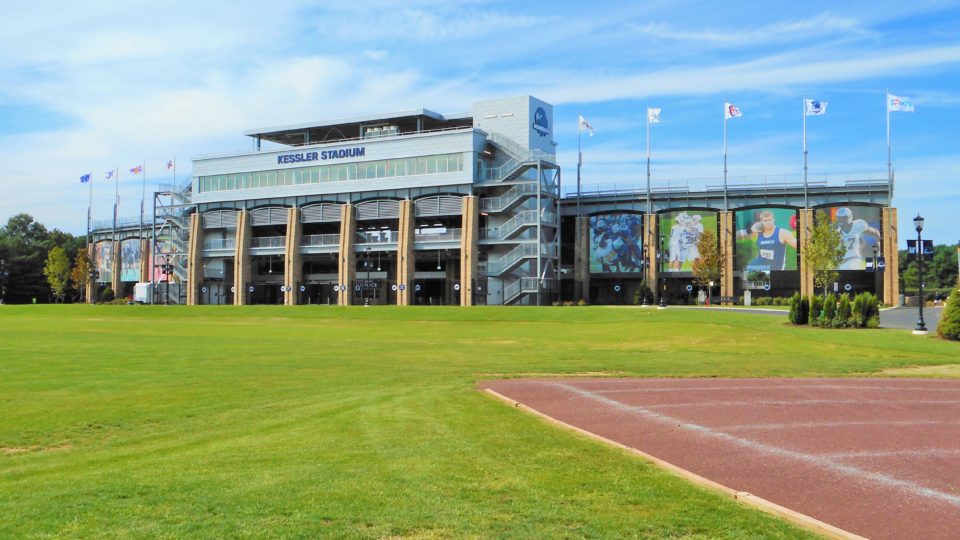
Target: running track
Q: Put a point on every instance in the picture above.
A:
(876, 457)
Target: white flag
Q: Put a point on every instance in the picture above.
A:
(899, 103)
(815, 107)
(584, 125)
(731, 111)
(653, 115)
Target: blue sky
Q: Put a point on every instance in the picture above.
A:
(88, 90)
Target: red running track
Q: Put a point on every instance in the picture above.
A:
(876, 457)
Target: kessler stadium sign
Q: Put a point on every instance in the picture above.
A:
(323, 155)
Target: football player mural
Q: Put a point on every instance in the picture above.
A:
(615, 243)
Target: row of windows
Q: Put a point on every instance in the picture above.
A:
(386, 168)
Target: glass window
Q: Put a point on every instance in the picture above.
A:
(441, 164)
(325, 174)
(431, 164)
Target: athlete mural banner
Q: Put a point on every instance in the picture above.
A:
(616, 244)
(859, 228)
(766, 240)
(681, 231)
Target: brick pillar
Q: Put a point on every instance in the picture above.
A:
(650, 241)
(581, 259)
(115, 269)
(727, 239)
(405, 254)
(194, 262)
(347, 266)
(891, 274)
(145, 260)
(241, 259)
(91, 284)
(806, 233)
(468, 250)
(292, 260)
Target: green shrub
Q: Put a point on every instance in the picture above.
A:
(107, 295)
(829, 310)
(841, 319)
(799, 309)
(866, 307)
(949, 327)
(816, 309)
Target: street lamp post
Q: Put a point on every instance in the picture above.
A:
(644, 266)
(663, 279)
(366, 264)
(876, 270)
(918, 223)
(3, 281)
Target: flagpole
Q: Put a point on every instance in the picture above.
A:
(579, 159)
(889, 153)
(806, 202)
(116, 204)
(143, 195)
(726, 206)
(89, 209)
(649, 204)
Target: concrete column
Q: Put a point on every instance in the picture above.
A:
(405, 254)
(347, 267)
(468, 249)
(194, 262)
(292, 260)
(891, 274)
(727, 239)
(241, 259)
(115, 269)
(581, 260)
(807, 217)
(650, 240)
(91, 284)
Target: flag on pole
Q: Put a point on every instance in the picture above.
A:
(85, 178)
(108, 175)
(815, 107)
(653, 115)
(136, 170)
(583, 124)
(731, 111)
(899, 103)
(169, 164)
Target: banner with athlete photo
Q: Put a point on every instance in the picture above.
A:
(681, 230)
(616, 243)
(766, 240)
(103, 261)
(130, 260)
(859, 228)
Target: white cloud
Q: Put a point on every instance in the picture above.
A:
(780, 32)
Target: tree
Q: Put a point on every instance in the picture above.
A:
(57, 271)
(823, 252)
(949, 327)
(80, 273)
(708, 268)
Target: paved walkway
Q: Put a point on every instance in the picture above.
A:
(906, 318)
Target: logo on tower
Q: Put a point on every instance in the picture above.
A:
(540, 123)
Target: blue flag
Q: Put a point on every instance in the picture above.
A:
(84, 179)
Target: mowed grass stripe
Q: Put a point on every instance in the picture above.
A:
(316, 421)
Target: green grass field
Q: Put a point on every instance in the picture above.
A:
(172, 422)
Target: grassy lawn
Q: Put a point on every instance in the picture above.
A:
(172, 422)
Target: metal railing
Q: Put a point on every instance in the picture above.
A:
(320, 240)
(446, 236)
(377, 237)
(335, 142)
(219, 243)
(512, 195)
(512, 225)
(268, 241)
(527, 285)
(512, 257)
(775, 183)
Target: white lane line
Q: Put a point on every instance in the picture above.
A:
(818, 461)
(928, 453)
(806, 402)
(826, 424)
(775, 387)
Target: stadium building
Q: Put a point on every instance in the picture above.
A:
(421, 208)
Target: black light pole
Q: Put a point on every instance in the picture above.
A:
(645, 262)
(918, 223)
(876, 270)
(366, 264)
(663, 279)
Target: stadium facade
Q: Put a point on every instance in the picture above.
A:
(420, 208)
